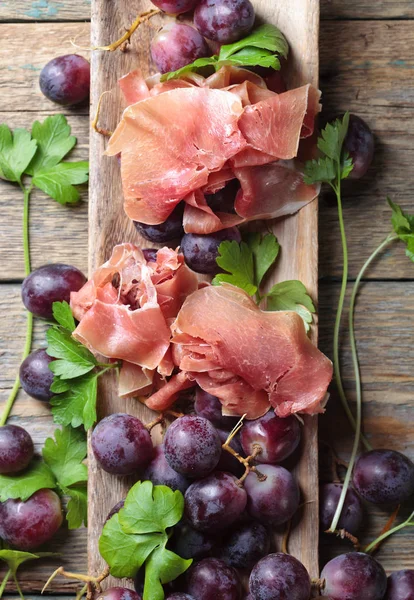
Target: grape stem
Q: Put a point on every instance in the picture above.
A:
(4, 582)
(88, 579)
(388, 525)
(145, 16)
(29, 317)
(373, 545)
(345, 535)
(285, 539)
(18, 588)
(244, 461)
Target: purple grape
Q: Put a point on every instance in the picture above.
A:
(35, 375)
(160, 472)
(115, 509)
(16, 449)
(245, 545)
(192, 446)
(401, 585)
(224, 21)
(170, 230)
(359, 142)
(384, 477)
(277, 437)
(190, 543)
(280, 576)
(177, 45)
(275, 500)
(227, 461)
(215, 502)
(210, 408)
(212, 579)
(27, 525)
(180, 596)
(66, 79)
(200, 251)
(119, 593)
(150, 254)
(352, 513)
(175, 7)
(48, 284)
(347, 575)
(223, 200)
(121, 444)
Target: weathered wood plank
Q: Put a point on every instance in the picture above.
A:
(365, 9)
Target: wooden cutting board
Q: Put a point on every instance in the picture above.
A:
(108, 225)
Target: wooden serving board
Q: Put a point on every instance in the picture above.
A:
(108, 225)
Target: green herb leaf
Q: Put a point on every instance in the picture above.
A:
(150, 508)
(14, 558)
(403, 225)
(77, 406)
(77, 508)
(76, 360)
(64, 455)
(265, 37)
(23, 485)
(63, 315)
(53, 142)
(16, 151)
(162, 567)
(291, 295)
(126, 553)
(58, 181)
(253, 57)
(237, 259)
(60, 385)
(197, 64)
(265, 251)
(321, 170)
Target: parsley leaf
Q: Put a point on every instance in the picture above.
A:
(77, 406)
(77, 508)
(162, 567)
(237, 259)
(16, 151)
(265, 251)
(265, 37)
(58, 181)
(63, 315)
(291, 295)
(64, 456)
(75, 359)
(36, 477)
(403, 225)
(53, 143)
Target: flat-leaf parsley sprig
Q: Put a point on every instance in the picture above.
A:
(35, 159)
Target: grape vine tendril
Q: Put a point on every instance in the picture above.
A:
(372, 546)
(4, 582)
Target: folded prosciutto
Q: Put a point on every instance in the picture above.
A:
(250, 359)
(175, 137)
(125, 309)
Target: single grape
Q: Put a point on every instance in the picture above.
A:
(180, 596)
(121, 444)
(228, 462)
(48, 284)
(66, 79)
(190, 543)
(275, 500)
(359, 142)
(192, 446)
(35, 375)
(215, 502)
(200, 251)
(170, 230)
(16, 449)
(280, 576)
(384, 477)
(177, 45)
(276, 437)
(150, 254)
(223, 200)
(119, 593)
(27, 525)
(210, 408)
(115, 509)
(245, 545)
(224, 21)
(348, 574)
(212, 579)
(401, 585)
(175, 7)
(352, 513)
(160, 472)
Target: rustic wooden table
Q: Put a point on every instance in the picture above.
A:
(367, 62)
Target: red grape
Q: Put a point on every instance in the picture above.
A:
(180, 596)
(275, 500)
(352, 512)
(401, 585)
(150, 254)
(223, 200)
(245, 545)
(215, 502)
(177, 45)
(192, 446)
(171, 229)
(224, 21)
(66, 79)
(119, 593)
(359, 142)
(210, 408)
(175, 7)
(16, 449)
(160, 472)
(48, 284)
(200, 251)
(212, 579)
(27, 525)
(35, 375)
(190, 543)
(384, 477)
(280, 576)
(347, 575)
(277, 437)
(121, 444)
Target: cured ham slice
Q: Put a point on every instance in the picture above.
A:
(269, 361)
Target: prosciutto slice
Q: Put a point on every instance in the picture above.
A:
(268, 361)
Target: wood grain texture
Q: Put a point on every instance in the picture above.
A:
(367, 9)
(299, 20)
